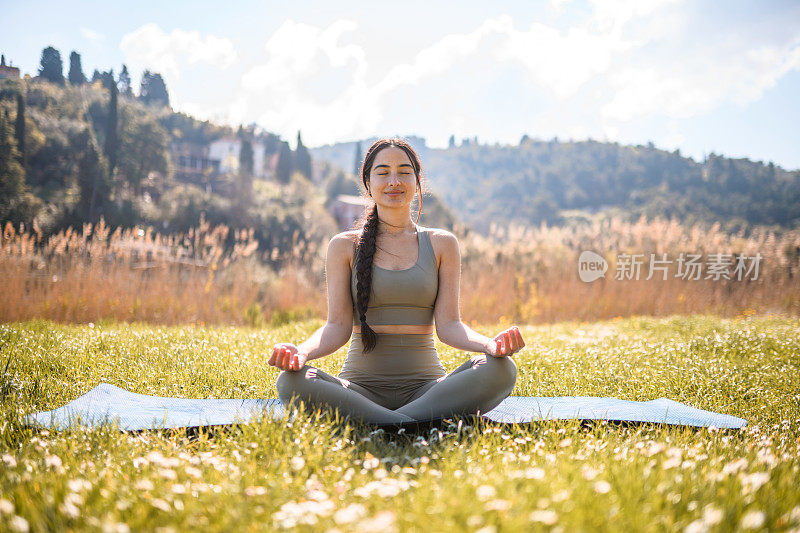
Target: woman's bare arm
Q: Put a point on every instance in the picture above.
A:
(449, 327)
(336, 331)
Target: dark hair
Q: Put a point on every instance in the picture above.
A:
(368, 223)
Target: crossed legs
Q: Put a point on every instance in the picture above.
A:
(477, 386)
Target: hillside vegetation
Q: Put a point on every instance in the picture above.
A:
(557, 181)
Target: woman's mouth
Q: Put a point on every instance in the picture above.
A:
(394, 193)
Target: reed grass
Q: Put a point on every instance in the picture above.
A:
(514, 275)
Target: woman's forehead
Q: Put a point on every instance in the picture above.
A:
(392, 155)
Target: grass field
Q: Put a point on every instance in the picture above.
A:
(315, 474)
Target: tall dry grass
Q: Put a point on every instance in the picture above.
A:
(530, 274)
(515, 275)
(136, 275)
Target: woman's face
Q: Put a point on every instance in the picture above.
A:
(392, 181)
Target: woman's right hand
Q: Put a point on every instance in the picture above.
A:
(286, 356)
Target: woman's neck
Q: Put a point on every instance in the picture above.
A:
(395, 225)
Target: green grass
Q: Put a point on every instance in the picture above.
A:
(315, 473)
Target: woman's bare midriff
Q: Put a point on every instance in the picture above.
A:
(399, 328)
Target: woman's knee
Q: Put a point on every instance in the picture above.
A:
(503, 371)
(290, 382)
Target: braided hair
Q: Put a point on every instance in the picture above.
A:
(368, 223)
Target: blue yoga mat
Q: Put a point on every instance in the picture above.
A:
(131, 411)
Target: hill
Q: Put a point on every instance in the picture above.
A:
(557, 182)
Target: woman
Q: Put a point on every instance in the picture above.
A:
(389, 302)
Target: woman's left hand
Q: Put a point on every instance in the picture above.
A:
(506, 343)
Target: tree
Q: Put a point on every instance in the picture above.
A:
(19, 129)
(51, 68)
(107, 78)
(124, 82)
(357, 159)
(153, 89)
(142, 149)
(76, 76)
(285, 163)
(451, 143)
(112, 136)
(96, 76)
(93, 184)
(302, 158)
(16, 202)
(245, 191)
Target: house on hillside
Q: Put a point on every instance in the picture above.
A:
(193, 163)
(7, 71)
(346, 209)
(226, 151)
(203, 164)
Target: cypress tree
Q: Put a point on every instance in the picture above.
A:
(12, 175)
(107, 78)
(75, 75)
(51, 67)
(246, 171)
(302, 158)
(19, 129)
(153, 89)
(92, 178)
(124, 82)
(285, 163)
(112, 137)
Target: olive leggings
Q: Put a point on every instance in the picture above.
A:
(475, 387)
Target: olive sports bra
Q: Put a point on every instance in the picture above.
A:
(402, 296)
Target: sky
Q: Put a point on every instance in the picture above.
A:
(699, 76)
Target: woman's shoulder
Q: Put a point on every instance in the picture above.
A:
(349, 236)
(439, 234)
(346, 241)
(442, 242)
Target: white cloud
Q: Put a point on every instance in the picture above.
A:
(93, 36)
(610, 16)
(295, 87)
(697, 83)
(625, 61)
(167, 53)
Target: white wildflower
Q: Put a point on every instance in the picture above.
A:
(484, 492)
(545, 516)
(754, 481)
(753, 520)
(735, 466)
(380, 523)
(351, 513)
(53, 461)
(143, 484)
(589, 473)
(712, 515)
(158, 503)
(69, 509)
(498, 505)
(698, 526)
(19, 524)
(534, 473)
(255, 491)
(602, 487)
(78, 485)
(6, 507)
